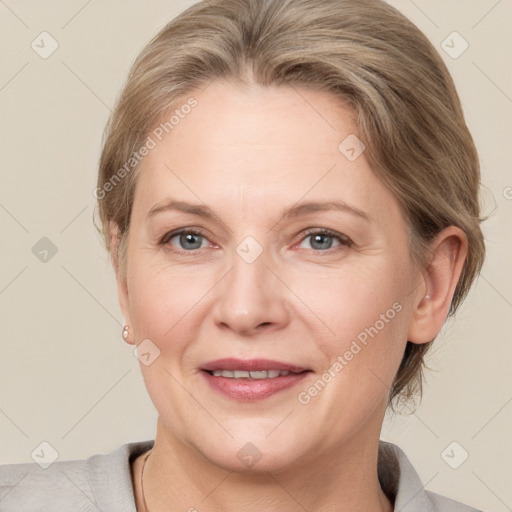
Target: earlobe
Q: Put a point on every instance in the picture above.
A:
(449, 251)
(127, 337)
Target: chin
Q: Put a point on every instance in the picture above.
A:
(253, 459)
(254, 447)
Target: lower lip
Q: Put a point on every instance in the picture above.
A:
(247, 390)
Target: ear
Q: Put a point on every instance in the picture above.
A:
(440, 278)
(122, 288)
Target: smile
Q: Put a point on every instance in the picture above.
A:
(254, 375)
(250, 380)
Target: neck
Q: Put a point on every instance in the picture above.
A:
(345, 479)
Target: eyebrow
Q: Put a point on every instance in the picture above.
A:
(312, 206)
(292, 212)
(182, 206)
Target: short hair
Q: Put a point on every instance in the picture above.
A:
(364, 52)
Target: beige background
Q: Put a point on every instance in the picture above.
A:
(67, 377)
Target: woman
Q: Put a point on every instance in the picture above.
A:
(288, 191)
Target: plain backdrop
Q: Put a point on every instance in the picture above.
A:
(66, 376)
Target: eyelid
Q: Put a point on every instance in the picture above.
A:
(164, 241)
(344, 239)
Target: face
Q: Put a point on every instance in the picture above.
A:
(273, 276)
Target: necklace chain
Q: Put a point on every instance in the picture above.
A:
(142, 481)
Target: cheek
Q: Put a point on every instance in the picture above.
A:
(165, 300)
(366, 311)
(369, 317)
(348, 300)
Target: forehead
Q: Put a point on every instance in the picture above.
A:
(252, 145)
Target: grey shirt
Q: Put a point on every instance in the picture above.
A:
(104, 483)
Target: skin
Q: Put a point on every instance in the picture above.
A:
(248, 153)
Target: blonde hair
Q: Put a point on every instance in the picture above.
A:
(365, 52)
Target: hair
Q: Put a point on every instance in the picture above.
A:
(364, 52)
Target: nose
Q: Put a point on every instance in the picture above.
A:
(251, 299)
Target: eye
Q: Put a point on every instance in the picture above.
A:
(186, 240)
(323, 240)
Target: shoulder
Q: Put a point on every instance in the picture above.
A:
(101, 482)
(446, 504)
(30, 487)
(399, 479)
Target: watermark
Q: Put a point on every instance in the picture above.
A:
(175, 119)
(150, 143)
(454, 455)
(44, 455)
(146, 352)
(249, 249)
(44, 45)
(44, 250)
(249, 454)
(454, 45)
(358, 343)
(351, 147)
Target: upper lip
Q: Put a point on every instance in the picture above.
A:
(251, 365)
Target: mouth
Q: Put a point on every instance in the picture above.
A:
(249, 380)
(254, 375)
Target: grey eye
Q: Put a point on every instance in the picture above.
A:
(188, 241)
(322, 241)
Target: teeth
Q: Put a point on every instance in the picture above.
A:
(256, 375)
(263, 374)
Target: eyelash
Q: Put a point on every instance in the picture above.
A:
(169, 236)
(344, 240)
